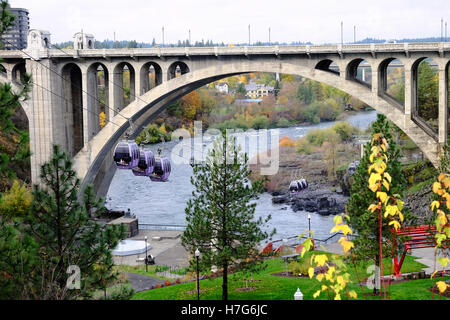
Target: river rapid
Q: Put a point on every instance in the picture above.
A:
(165, 203)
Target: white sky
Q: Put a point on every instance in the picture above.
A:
(317, 21)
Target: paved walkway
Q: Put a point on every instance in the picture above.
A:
(428, 258)
(141, 282)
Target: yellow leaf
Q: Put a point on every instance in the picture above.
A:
(311, 272)
(373, 187)
(442, 286)
(373, 207)
(443, 261)
(321, 259)
(396, 224)
(436, 187)
(382, 196)
(337, 297)
(324, 287)
(353, 294)
(341, 281)
(319, 277)
(347, 245)
(441, 177)
(435, 204)
(316, 294)
(388, 177)
(386, 185)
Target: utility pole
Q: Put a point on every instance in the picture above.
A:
(442, 29)
(189, 37)
(342, 32)
(163, 36)
(114, 44)
(248, 34)
(445, 31)
(354, 34)
(269, 34)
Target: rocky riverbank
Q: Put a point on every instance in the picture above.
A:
(316, 198)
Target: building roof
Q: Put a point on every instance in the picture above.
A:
(255, 86)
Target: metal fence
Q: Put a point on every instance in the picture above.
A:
(172, 227)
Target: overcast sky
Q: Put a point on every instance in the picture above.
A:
(317, 21)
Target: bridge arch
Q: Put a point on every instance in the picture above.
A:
(328, 65)
(151, 75)
(118, 81)
(386, 86)
(354, 71)
(426, 119)
(3, 71)
(18, 72)
(98, 88)
(94, 162)
(178, 68)
(72, 113)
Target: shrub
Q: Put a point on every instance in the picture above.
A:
(167, 283)
(283, 122)
(15, 202)
(286, 142)
(260, 122)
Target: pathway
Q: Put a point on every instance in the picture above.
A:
(140, 282)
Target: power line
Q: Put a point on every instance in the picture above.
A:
(111, 81)
(67, 100)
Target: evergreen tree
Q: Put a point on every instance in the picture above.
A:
(362, 220)
(65, 234)
(18, 254)
(304, 92)
(220, 215)
(9, 103)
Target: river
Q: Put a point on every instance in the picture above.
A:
(163, 203)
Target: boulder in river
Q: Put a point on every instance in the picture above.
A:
(280, 199)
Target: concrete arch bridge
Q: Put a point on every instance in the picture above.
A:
(64, 106)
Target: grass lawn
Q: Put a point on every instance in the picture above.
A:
(269, 287)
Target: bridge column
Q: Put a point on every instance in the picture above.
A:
(409, 90)
(45, 125)
(115, 93)
(87, 111)
(443, 122)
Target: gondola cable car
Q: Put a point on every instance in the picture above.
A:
(297, 186)
(162, 169)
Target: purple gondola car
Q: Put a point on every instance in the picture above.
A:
(146, 164)
(126, 155)
(162, 170)
(298, 186)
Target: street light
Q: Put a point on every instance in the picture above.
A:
(197, 255)
(146, 259)
(298, 295)
(309, 223)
